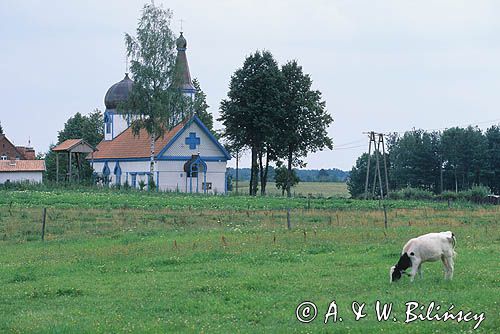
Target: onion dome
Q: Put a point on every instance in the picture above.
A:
(181, 42)
(117, 93)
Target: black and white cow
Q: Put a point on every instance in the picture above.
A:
(426, 248)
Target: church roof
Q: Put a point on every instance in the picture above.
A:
(127, 145)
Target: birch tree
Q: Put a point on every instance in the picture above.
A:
(154, 104)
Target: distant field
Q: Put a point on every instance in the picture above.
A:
(325, 189)
(118, 262)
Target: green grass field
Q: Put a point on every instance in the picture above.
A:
(168, 263)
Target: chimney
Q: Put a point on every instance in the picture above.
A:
(29, 153)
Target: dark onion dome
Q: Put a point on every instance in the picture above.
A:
(181, 42)
(118, 93)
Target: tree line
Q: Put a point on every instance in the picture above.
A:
(304, 175)
(455, 159)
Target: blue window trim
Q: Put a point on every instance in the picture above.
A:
(108, 121)
(118, 170)
(105, 169)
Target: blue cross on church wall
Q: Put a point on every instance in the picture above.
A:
(192, 140)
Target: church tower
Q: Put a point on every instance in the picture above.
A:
(114, 122)
(182, 78)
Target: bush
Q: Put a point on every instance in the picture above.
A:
(476, 194)
(449, 195)
(411, 193)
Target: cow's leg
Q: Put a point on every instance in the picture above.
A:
(451, 267)
(446, 265)
(414, 268)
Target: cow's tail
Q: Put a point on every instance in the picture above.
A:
(453, 241)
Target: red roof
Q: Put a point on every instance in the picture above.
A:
(22, 165)
(67, 144)
(126, 145)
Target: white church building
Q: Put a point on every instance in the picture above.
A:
(188, 158)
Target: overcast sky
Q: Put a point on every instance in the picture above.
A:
(381, 65)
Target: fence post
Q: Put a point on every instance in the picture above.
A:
(385, 216)
(288, 223)
(43, 222)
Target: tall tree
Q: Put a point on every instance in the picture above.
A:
(357, 176)
(493, 158)
(200, 106)
(304, 121)
(1, 129)
(464, 152)
(155, 103)
(415, 160)
(251, 111)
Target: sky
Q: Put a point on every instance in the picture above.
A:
(386, 66)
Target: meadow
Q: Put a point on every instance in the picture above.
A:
(115, 262)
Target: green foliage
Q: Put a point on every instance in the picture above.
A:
(476, 194)
(276, 114)
(200, 107)
(412, 149)
(303, 122)
(357, 177)
(251, 112)
(87, 127)
(412, 193)
(464, 156)
(493, 158)
(283, 180)
(155, 103)
(456, 159)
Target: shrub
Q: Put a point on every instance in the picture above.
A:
(411, 193)
(476, 194)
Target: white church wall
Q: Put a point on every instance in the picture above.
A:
(173, 178)
(117, 125)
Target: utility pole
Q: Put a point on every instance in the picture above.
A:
(381, 141)
(376, 146)
(372, 139)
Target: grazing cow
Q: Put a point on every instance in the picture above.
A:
(426, 248)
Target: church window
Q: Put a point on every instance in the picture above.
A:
(107, 121)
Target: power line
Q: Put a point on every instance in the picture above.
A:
(346, 146)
